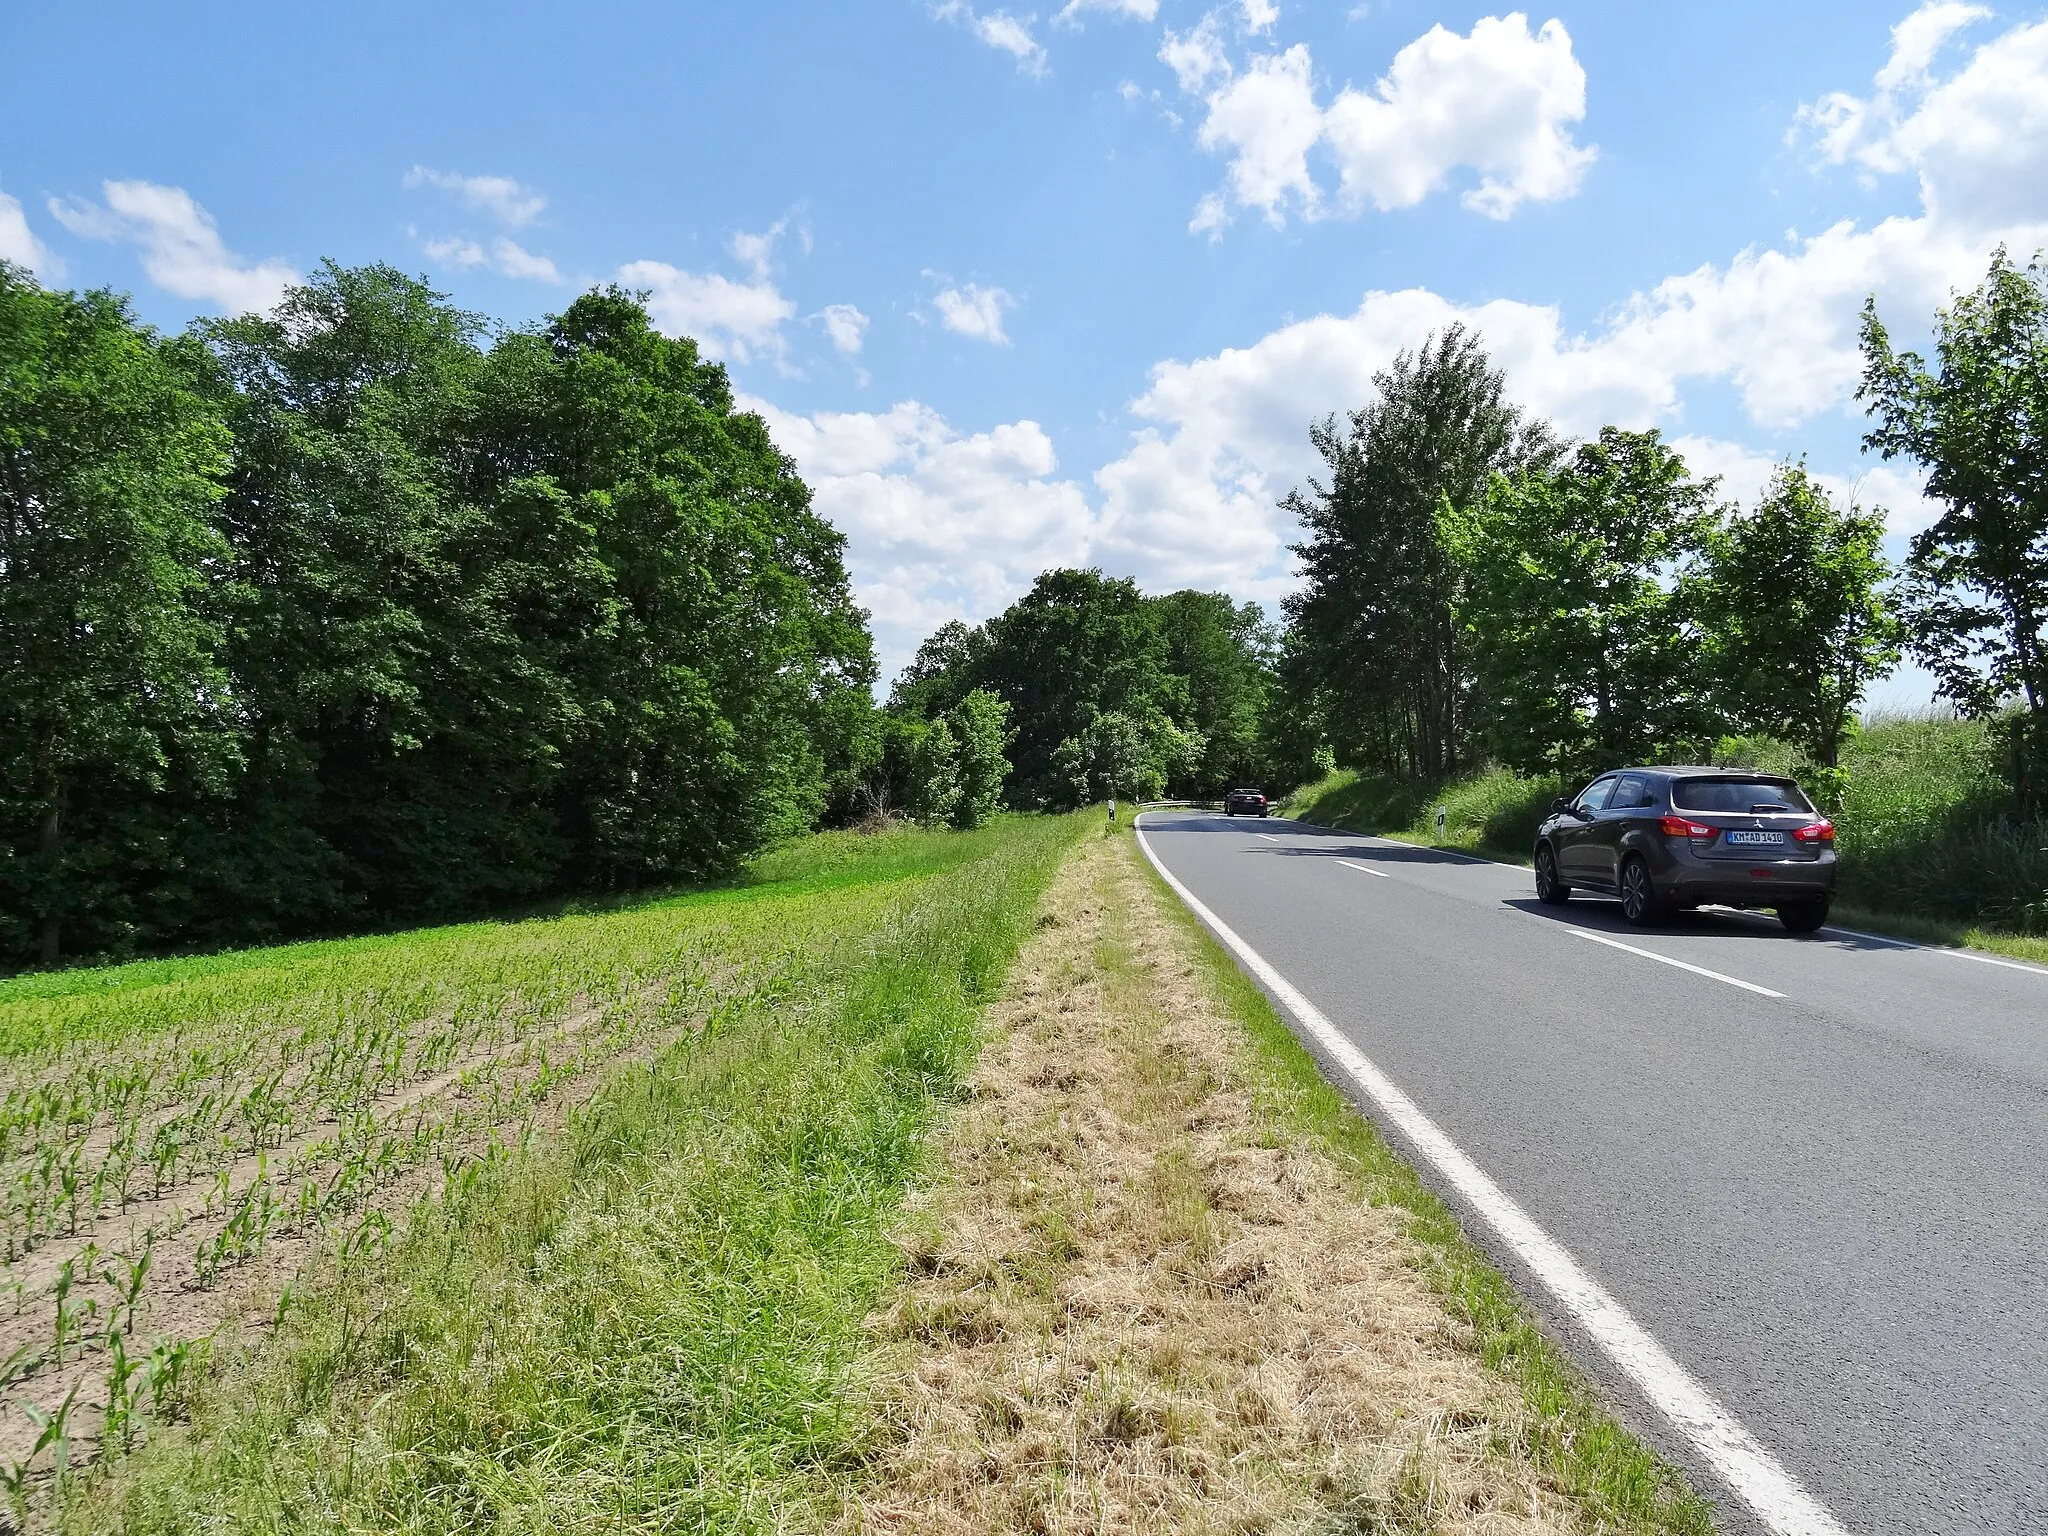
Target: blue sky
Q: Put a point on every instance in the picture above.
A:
(1031, 286)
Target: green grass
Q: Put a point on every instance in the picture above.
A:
(648, 1320)
(1569, 1434)
(1932, 845)
(1494, 812)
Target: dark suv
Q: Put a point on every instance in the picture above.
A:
(1667, 838)
(1247, 802)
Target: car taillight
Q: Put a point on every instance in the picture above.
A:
(1679, 826)
(1818, 832)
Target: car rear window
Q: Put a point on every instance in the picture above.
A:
(1743, 797)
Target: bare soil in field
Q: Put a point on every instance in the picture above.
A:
(1136, 1303)
(494, 1097)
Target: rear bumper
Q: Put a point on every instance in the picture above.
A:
(1762, 883)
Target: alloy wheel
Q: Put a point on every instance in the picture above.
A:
(1638, 900)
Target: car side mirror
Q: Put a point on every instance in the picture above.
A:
(1560, 807)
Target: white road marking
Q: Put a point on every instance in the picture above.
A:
(1683, 965)
(1354, 864)
(2009, 965)
(1952, 951)
(1770, 1491)
(1269, 837)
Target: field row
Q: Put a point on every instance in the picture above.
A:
(172, 1155)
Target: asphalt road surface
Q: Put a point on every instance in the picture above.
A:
(1830, 1205)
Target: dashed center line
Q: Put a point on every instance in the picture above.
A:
(1269, 837)
(1683, 965)
(1353, 864)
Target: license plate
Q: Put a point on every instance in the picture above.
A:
(1753, 839)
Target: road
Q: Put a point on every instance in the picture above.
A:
(1829, 1205)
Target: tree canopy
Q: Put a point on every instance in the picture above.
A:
(354, 613)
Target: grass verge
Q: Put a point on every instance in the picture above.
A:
(1170, 1283)
(1566, 1432)
(647, 1318)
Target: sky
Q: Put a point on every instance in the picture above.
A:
(1067, 285)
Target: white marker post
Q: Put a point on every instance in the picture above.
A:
(1441, 812)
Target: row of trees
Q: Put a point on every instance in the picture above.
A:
(355, 613)
(1106, 692)
(1477, 590)
(360, 613)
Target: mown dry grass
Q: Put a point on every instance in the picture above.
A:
(1136, 1302)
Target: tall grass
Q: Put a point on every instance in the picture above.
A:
(647, 1322)
(1495, 810)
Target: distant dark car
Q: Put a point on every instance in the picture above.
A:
(1247, 802)
(1663, 839)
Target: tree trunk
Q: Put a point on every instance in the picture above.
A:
(50, 843)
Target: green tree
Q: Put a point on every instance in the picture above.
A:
(1077, 645)
(980, 726)
(1222, 655)
(1791, 600)
(1129, 756)
(395, 766)
(935, 775)
(709, 639)
(942, 672)
(1581, 656)
(110, 458)
(1375, 626)
(1976, 588)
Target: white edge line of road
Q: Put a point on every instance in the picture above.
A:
(1742, 1462)
(1683, 965)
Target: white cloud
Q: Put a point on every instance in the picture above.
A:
(1135, 10)
(1268, 121)
(1977, 140)
(758, 251)
(947, 524)
(515, 261)
(510, 202)
(846, 327)
(727, 319)
(1196, 58)
(18, 243)
(1259, 15)
(999, 30)
(506, 257)
(940, 524)
(975, 311)
(182, 251)
(455, 252)
(1498, 102)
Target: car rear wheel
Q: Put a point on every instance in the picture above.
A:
(1639, 902)
(1550, 890)
(1803, 916)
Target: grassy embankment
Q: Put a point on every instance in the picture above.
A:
(1932, 846)
(612, 1201)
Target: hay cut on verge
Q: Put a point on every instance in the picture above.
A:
(1134, 1303)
